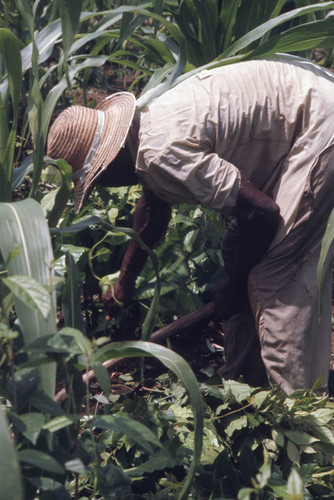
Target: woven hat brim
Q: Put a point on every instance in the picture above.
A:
(118, 112)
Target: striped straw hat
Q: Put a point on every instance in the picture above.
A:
(89, 139)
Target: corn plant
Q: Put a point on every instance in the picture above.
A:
(26, 249)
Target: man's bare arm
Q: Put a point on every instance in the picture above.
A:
(151, 219)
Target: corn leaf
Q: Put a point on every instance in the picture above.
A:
(303, 37)
(266, 27)
(23, 225)
(11, 485)
(30, 292)
(70, 15)
(10, 54)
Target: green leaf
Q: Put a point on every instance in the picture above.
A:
(42, 460)
(135, 430)
(82, 344)
(158, 461)
(62, 194)
(11, 58)
(300, 438)
(181, 368)
(58, 423)
(239, 391)
(26, 14)
(293, 452)
(30, 292)
(19, 173)
(93, 220)
(236, 425)
(278, 437)
(45, 40)
(11, 484)
(70, 15)
(30, 425)
(76, 466)
(295, 486)
(103, 377)
(245, 493)
(300, 38)
(23, 224)
(261, 30)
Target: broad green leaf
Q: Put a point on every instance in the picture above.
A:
(293, 452)
(30, 292)
(42, 460)
(300, 438)
(246, 493)
(103, 377)
(238, 390)
(27, 381)
(30, 425)
(135, 430)
(295, 486)
(81, 342)
(236, 425)
(57, 423)
(323, 415)
(54, 344)
(76, 466)
(181, 368)
(11, 484)
(22, 224)
(19, 173)
(278, 437)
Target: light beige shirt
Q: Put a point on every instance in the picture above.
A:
(270, 119)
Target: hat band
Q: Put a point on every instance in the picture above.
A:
(81, 174)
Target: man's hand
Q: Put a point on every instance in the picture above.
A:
(258, 219)
(115, 298)
(151, 220)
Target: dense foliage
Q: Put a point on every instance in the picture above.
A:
(151, 428)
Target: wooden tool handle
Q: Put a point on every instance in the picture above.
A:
(183, 323)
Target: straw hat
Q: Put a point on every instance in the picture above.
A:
(89, 139)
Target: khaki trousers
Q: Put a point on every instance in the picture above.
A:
(279, 336)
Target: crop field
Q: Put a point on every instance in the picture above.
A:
(104, 408)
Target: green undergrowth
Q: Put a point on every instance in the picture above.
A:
(131, 434)
(257, 443)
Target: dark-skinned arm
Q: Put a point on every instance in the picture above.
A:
(257, 221)
(151, 219)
